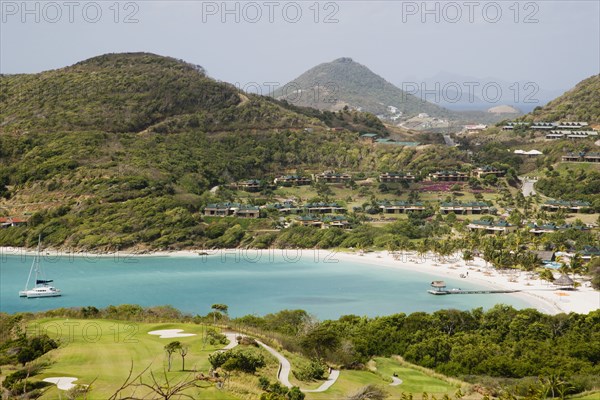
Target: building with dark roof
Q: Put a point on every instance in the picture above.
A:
(396, 177)
(472, 207)
(573, 206)
(231, 210)
(401, 207)
(449, 176)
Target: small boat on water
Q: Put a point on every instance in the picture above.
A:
(41, 287)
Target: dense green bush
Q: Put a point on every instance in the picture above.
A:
(245, 360)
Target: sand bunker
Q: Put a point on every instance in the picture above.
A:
(396, 381)
(62, 382)
(170, 333)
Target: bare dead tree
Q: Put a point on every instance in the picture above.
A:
(129, 382)
(156, 389)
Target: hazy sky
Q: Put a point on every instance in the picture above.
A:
(553, 43)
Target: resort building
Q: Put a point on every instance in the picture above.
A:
(489, 170)
(286, 207)
(449, 176)
(530, 153)
(292, 180)
(475, 128)
(246, 211)
(324, 208)
(250, 185)
(512, 125)
(544, 256)
(581, 157)
(332, 221)
(336, 221)
(310, 220)
(491, 226)
(556, 135)
(474, 207)
(401, 207)
(588, 252)
(543, 125)
(396, 177)
(333, 177)
(369, 137)
(591, 157)
(231, 210)
(573, 157)
(571, 125)
(573, 206)
(552, 227)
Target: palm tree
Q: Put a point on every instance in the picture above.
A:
(547, 275)
(467, 256)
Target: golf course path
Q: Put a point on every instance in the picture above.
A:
(327, 384)
(232, 337)
(396, 381)
(285, 368)
(283, 375)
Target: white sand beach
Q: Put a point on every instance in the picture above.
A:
(540, 294)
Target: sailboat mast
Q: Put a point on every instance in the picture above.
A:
(35, 263)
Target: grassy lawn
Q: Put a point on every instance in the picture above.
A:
(576, 167)
(413, 380)
(348, 383)
(566, 166)
(103, 351)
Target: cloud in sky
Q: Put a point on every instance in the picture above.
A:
(554, 43)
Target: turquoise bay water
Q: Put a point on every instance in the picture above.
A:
(247, 283)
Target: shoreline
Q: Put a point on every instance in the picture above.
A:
(538, 294)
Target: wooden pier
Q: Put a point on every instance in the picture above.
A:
(460, 291)
(440, 290)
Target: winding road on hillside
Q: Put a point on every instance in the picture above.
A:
(449, 141)
(285, 368)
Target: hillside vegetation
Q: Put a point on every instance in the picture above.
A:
(582, 103)
(113, 93)
(122, 149)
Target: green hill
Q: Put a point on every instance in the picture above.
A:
(133, 92)
(344, 82)
(582, 103)
(122, 149)
(113, 92)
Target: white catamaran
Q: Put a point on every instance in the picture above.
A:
(41, 287)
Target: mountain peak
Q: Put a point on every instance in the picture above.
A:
(344, 60)
(346, 83)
